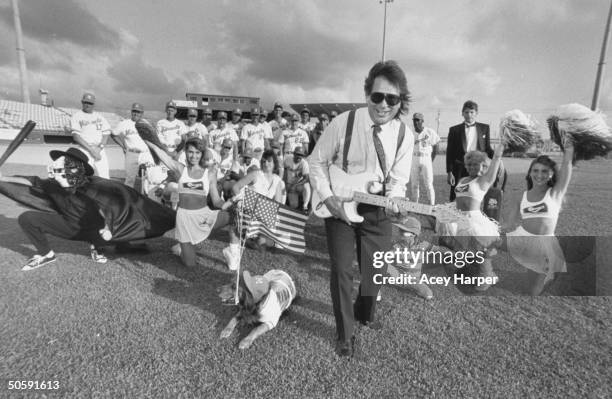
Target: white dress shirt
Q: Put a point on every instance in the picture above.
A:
(362, 155)
(471, 138)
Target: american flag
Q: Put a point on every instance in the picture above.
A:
(283, 225)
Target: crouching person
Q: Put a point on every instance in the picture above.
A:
(409, 231)
(263, 299)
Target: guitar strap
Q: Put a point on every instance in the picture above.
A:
(347, 143)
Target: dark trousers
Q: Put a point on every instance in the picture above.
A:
(459, 172)
(37, 224)
(374, 234)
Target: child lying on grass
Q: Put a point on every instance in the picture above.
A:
(262, 300)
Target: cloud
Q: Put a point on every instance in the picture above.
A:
(65, 20)
(132, 74)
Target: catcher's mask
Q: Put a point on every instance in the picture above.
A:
(67, 171)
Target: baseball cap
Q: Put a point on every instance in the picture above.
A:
(274, 144)
(89, 98)
(237, 111)
(192, 111)
(227, 143)
(76, 154)
(295, 117)
(409, 224)
(418, 116)
(207, 111)
(333, 113)
(278, 105)
(137, 107)
(258, 286)
(170, 104)
(222, 114)
(298, 151)
(305, 110)
(255, 111)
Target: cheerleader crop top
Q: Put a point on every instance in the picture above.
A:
(188, 185)
(470, 189)
(545, 208)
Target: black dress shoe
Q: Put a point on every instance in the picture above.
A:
(346, 348)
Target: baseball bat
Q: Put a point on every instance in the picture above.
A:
(21, 136)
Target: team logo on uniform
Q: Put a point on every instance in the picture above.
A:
(461, 189)
(198, 185)
(540, 208)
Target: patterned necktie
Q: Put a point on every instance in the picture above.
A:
(380, 152)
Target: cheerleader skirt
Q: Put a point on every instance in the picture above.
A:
(472, 226)
(542, 254)
(194, 225)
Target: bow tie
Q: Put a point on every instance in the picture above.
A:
(472, 125)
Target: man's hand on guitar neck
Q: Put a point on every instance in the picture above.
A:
(392, 207)
(335, 206)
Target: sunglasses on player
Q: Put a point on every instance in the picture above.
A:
(390, 99)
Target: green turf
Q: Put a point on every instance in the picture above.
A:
(144, 326)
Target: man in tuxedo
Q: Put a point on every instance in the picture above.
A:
(469, 136)
(465, 137)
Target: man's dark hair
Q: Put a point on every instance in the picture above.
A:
(469, 104)
(391, 71)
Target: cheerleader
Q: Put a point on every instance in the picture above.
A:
(533, 243)
(477, 231)
(263, 299)
(194, 219)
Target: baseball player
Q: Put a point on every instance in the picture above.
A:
(221, 133)
(193, 128)
(425, 145)
(91, 130)
(135, 150)
(294, 137)
(255, 136)
(171, 130)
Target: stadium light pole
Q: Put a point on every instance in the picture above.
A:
(602, 61)
(384, 26)
(23, 70)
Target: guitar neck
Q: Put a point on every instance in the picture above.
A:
(404, 205)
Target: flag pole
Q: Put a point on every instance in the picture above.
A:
(23, 70)
(602, 61)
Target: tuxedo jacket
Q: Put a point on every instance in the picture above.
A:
(455, 147)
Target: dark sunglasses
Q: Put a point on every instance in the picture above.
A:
(87, 102)
(390, 99)
(227, 148)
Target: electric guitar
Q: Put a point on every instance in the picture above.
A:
(356, 187)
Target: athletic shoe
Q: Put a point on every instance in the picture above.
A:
(37, 261)
(232, 259)
(422, 290)
(97, 256)
(176, 249)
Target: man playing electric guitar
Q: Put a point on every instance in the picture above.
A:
(372, 140)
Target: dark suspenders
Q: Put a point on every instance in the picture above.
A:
(349, 134)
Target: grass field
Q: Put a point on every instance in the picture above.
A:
(145, 326)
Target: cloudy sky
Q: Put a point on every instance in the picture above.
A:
(504, 54)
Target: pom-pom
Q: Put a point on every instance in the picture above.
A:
(587, 129)
(518, 131)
